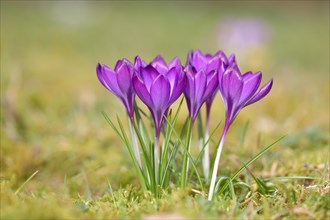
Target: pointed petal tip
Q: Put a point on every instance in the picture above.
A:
(98, 68)
(265, 89)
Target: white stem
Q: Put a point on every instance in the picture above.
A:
(206, 160)
(163, 146)
(156, 157)
(215, 168)
(135, 143)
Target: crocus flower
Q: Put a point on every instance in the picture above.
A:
(209, 63)
(119, 82)
(158, 85)
(237, 91)
(219, 62)
(200, 86)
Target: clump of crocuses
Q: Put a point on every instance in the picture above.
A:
(158, 84)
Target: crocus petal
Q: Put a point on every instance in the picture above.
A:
(118, 65)
(175, 63)
(148, 75)
(142, 92)
(231, 59)
(247, 75)
(129, 103)
(212, 84)
(124, 76)
(100, 76)
(261, 93)
(159, 64)
(199, 60)
(200, 85)
(172, 77)
(190, 86)
(110, 78)
(231, 84)
(251, 83)
(178, 89)
(160, 93)
(213, 64)
(222, 56)
(190, 57)
(138, 63)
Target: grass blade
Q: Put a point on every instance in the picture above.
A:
(113, 126)
(192, 161)
(251, 161)
(21, 187)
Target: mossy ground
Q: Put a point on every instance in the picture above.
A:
(51, 103)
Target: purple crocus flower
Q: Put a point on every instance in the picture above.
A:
(237, 91)
(211, 64)
(158, 85)
(219, 62)
(200, 86)
(119, 82)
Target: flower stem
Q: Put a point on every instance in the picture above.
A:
(135, 142)
(216, 164)
(156, 157)
(185, 166)
(206, 159)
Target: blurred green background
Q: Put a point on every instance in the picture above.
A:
(51, 100)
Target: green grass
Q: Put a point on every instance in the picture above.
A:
(60, 158)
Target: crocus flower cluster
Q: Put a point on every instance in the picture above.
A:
(159, 84)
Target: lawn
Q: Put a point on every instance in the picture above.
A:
(60, 159)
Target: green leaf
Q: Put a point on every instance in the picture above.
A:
(266, 149)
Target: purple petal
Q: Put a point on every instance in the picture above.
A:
(160, 93)
(199, 61)
(142, 92)
(208, 57)
(231, 59)
(118, 64)
(261, 93)
(178, 89)
(175, 63)
(124, 76)
(190, 86)
(190, 57)
(110, 78)
(211, 86)
(148, 75)
(247, 75)
(200, 86)
(121, 65)
(251, 83)
(172, 77)
(138, 63)
(222, 56)
(159, 64)
(214, 64)
(100, 76)
(130, 104)
(231, 84)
